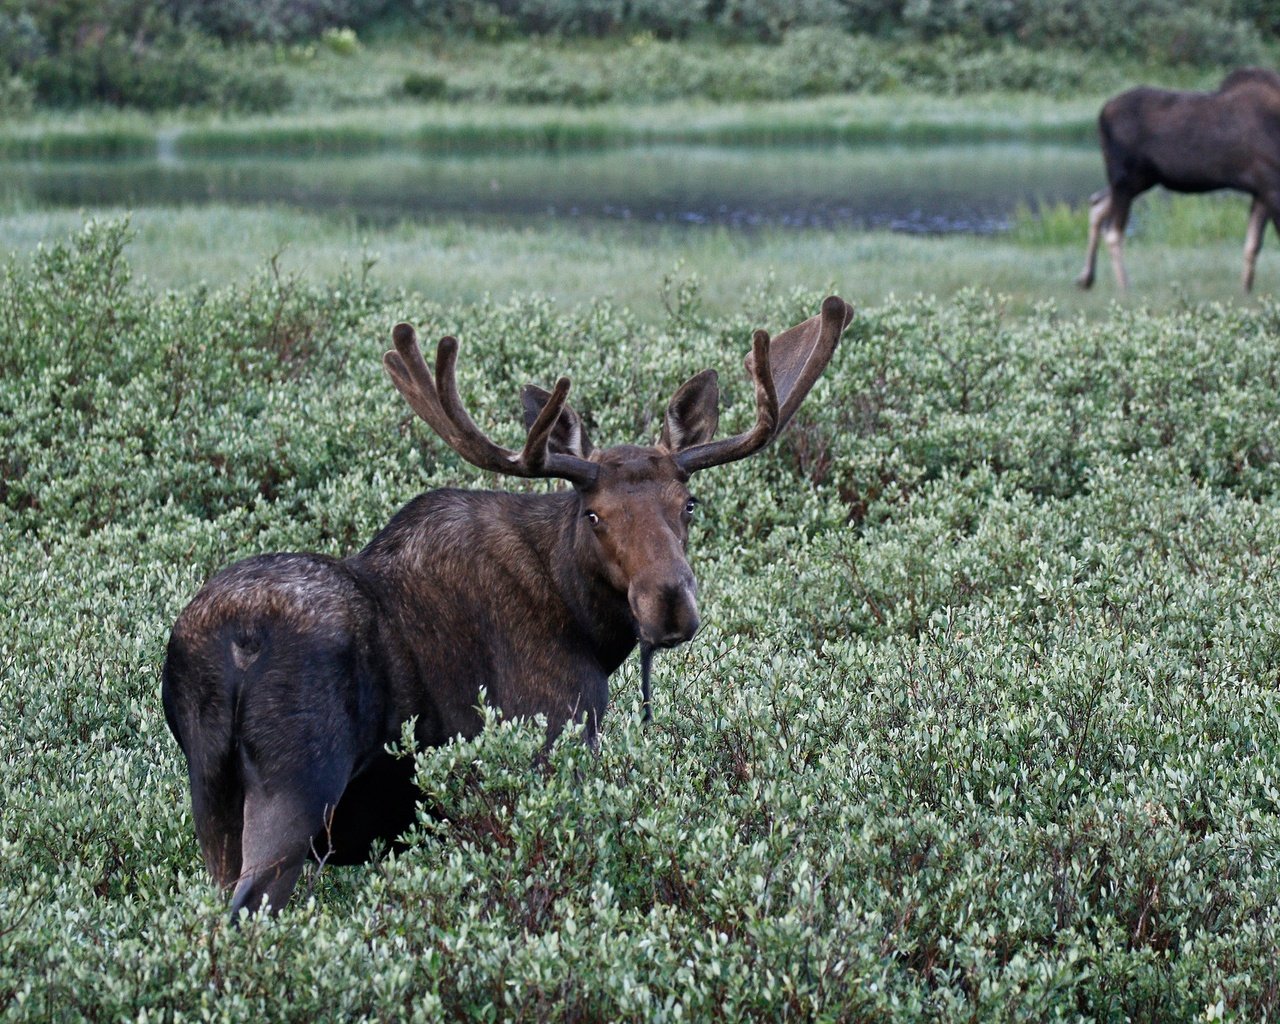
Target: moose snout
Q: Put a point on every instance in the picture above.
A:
(665, 611)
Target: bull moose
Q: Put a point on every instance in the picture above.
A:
(288, 674)
(1188, 142)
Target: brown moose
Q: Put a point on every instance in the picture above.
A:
(1188, 142)
(288, 674)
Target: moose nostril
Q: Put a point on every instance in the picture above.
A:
(683, 632)
(666, 613)
(682, 614)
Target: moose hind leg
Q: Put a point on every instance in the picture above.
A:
(1114, 232)
(284, 819)
(1253, 240)
(217, 804)
(1099, 209)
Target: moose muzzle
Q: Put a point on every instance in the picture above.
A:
(665, 609)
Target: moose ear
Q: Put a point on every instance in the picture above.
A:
(568, 436)
(694, 413)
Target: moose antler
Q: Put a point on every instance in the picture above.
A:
(436, 400)
(784, 370)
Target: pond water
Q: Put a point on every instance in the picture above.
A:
(920, 189)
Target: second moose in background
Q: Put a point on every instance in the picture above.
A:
(1188, 142)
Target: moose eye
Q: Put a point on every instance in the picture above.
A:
(690, 505)
(592, 518)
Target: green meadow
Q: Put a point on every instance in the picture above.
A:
(984, 720)
(982, 724)
(1182, 250)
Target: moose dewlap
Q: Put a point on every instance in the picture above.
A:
(287, 674)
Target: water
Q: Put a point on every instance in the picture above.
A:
(919, 189)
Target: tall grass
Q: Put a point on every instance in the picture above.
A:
(434, 128)
(453, 262)
(88, 142)
(1157, 217)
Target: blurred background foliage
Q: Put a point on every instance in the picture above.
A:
(160, 54)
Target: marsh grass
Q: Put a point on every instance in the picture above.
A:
(453, 262)
(448, 129)
(1158, 217)
(83, 142)
(475, 127)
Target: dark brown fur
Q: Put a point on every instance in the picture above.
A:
(288, 674)
(1189, 142)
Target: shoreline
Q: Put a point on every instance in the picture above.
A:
(910, 119)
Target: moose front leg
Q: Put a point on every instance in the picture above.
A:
(595, 698)
(1253, 240)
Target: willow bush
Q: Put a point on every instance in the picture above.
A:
(983, 723)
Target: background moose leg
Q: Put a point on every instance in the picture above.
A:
(1117, 221)
(1253, 239)
(1099, 208)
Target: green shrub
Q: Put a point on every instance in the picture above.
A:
(1221, 33)
(981, 723)
(275, 21)
(117, 72)
(342, 41)
(21, 41)
(771, 19)
(16, 96)
(425, 85)
(807, 61)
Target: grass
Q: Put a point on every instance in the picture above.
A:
(457, 263)
(467, 127)
(813, 85)
(1159, 217)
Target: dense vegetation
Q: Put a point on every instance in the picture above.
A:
(983, 722)
(238, 55)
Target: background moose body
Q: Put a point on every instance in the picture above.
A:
(287, 674)
(1188, 142)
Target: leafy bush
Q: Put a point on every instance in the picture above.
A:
(770, 19)
(16, 96)
(117, 72)
(981, 725)
(67, 53)
(425, 85)
(1164, 31)
(342, 41)
(21, 40)
(274, 21)
(806, 62)
(1227, 32)
(154, 56)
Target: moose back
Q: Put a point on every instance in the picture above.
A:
(287, 674)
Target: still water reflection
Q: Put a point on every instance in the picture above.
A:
(936, 189)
